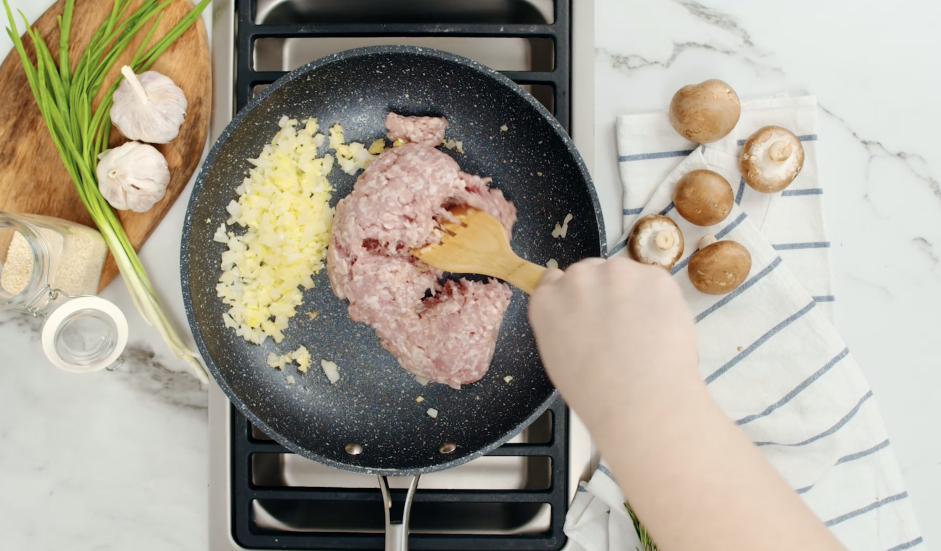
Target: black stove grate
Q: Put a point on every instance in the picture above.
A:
(559, 32)
(250, 535)
(245, 493)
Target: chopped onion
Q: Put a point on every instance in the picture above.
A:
(563, 229)
(302, 357)
(354, 156)
(419, 399)
(433, 413)
(422, 381)
(508, 378)
(454, 144)
(278, 361)
(377, 146)
(284, 206)
(331, 370)
(221, 236)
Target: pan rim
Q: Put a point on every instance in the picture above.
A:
(203, 174)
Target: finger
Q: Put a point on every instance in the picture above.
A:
(594, 261)
(551, 275)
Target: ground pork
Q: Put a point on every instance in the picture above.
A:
(445, 332)
(424, 130)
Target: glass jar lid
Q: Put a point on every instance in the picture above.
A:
(85, 334)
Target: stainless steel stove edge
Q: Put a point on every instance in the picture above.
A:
(582, 457)
(220, 464)
(220, 472)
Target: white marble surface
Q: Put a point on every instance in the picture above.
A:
(119, 461)
(872, 67)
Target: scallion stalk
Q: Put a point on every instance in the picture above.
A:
(80, 133)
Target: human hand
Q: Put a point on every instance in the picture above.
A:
(610, 331)
(618, 342)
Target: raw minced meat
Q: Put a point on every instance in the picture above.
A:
(449, 336)
(424, 130)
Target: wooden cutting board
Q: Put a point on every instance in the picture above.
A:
(32, 177)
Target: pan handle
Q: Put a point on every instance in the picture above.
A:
(397, 529)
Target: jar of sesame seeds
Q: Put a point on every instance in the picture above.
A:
(50, 268)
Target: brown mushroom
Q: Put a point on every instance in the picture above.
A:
(703, 197)
(656, 240)
(771, 158)
(718, 267)
(705, 112)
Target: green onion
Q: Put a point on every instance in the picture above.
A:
(80, 133)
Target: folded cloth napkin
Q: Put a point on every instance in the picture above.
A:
(768, 350)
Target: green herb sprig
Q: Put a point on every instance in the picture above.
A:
(80, 133)
(646, 542)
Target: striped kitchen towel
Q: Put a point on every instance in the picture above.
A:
(768, 351)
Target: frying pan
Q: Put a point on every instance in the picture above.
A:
(369, 421)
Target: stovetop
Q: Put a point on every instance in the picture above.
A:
(514, 498)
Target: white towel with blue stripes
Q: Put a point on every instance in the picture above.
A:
(768, 351)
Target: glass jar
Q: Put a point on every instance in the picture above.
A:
(51, 268)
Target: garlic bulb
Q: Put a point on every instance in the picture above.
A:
(133, 176)
(148, 107)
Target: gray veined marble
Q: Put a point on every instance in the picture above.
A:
(119, 461)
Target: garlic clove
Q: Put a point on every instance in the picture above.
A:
(148, 107)
(133, 176)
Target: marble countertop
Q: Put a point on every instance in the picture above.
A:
(119, 460)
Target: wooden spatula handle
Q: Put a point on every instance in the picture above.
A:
(524, 275)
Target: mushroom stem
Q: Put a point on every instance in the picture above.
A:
(706, 241)
(135, 84)
(664, 240)
(779, 151)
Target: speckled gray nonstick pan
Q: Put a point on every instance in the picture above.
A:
(373, 404)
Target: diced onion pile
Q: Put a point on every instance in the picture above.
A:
(284, 204)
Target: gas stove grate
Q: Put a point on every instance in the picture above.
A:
(558, 32)
(246, 494)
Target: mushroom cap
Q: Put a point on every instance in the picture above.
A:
(719, 268)
(642, 245)
(703, 197)
(705, 112)
(771, 158)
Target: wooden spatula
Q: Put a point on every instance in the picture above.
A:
(478, 245)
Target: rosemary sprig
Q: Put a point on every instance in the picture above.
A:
(646, 542)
